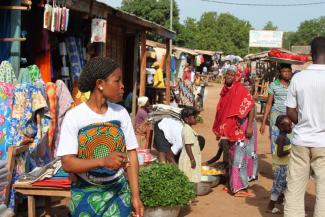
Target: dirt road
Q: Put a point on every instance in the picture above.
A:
(221, 204)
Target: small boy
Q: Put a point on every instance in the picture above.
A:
(280, 162)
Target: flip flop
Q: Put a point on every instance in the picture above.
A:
(225, 189)
(243, 194)
(275, 211)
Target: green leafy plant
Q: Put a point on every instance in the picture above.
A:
(164, 185)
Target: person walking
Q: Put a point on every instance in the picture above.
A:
(275, 105)
(305, 107)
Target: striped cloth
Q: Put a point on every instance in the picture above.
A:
(279, 93)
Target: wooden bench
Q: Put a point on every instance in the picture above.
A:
(47, 192)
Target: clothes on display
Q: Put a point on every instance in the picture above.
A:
(7, 74)
(6, 97)
(76, 56)
(98, 30)
(55, 18)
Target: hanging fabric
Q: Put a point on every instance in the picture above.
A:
(54, 16)
(44, 64)
(7, 73)
(98, 30)
(51, 96)
(34, 73)
(74, 57)
(64, 103)
(58, 18)
(6, 96)
(47, 19)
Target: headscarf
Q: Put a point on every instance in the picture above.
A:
(235, 104)
(142, 101)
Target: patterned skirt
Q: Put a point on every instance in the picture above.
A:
(111, 200)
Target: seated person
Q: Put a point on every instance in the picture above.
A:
(142, 124)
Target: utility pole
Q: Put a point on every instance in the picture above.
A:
(171, 24)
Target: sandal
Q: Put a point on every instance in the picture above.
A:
(274, 211)
(225, 189)
(243, 194)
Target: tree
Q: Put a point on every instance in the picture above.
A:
(270, 26)
(223, 32)
(157, 11)
(308, 30)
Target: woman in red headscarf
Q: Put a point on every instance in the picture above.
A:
(234, 122)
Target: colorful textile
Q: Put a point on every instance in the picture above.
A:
(252, 157)
(27, 99)
(279, 93)
(7, 74)
(93, 201)
(279, 181)
(24, 76)
(238, 166)
(51, 95)
(34, 73)
(186, 93)
(101, 191)
(74, 57)
(235, 104)
(57, 183)
(64, 103)
(44, 63)
(78, 96)
(6, 97)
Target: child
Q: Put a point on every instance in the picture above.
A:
(280, 161)
(190, 159)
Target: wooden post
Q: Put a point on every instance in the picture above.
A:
(167, 61)
(31, 206)
(135, 76)
(143, 65)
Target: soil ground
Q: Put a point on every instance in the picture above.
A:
(218, 203)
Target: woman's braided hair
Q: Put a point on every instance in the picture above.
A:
(96, 68)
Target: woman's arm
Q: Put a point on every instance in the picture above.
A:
(133, 176)
(215, 158)
(267, 112)
(190, 155)
(249, 130)
(72, 164)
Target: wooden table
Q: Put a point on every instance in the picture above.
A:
(32, 191)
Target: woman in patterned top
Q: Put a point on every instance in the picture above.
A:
(277, 95)
(98, 145)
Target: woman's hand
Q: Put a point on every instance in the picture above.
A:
(249, 132)
(115, 161)
(262, 128)
(193, 164)
(138, 208)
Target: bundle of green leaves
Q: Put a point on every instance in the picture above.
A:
(164, 185)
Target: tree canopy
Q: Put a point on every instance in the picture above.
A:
(218, 32)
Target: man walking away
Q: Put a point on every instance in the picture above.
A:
(305, 107)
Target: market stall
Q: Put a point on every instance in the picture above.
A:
(40, 68)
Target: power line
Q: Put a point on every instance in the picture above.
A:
(265, 5)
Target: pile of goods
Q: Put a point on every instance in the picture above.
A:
(275, 53)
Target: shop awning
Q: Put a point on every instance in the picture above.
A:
(208, 52)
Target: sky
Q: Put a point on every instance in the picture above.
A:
(285, 18)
